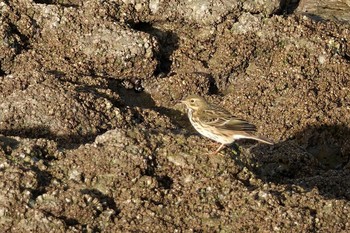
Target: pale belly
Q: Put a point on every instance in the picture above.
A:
(228, 139)
(225, 137)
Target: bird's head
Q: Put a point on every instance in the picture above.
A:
(194, 102)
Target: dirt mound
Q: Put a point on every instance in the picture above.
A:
(94, 138)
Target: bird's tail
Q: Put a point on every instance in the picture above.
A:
(246, 135)
(261, 139)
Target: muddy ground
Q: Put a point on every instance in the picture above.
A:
(93, 138)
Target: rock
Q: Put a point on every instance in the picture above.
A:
(203, 13)
(338, 10)
(56, 111)
(88, 45)
(262, 6)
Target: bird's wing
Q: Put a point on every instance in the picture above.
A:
(220, 118)
(239, 125)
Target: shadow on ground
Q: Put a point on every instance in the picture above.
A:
(318, 157)
(168, 42)
(63, 141)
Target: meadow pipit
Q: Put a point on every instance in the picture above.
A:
(218, 124)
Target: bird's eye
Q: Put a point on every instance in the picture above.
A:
(192, 101)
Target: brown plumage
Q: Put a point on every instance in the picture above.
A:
(218, 124)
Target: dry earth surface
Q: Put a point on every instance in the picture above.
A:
(93, 138)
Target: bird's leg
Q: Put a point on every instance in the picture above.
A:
(220, 147)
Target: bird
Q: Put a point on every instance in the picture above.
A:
(218, 124)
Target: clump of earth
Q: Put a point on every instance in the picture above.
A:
(93, 137)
